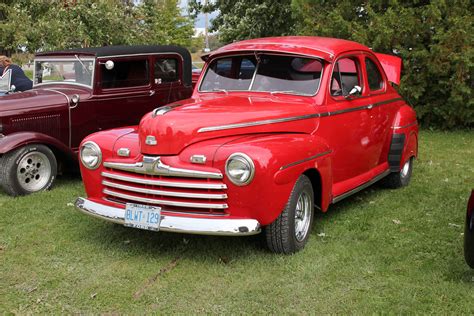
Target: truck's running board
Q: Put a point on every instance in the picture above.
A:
(361, 187)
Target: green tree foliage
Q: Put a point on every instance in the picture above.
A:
(59, 24)
(434, 38)
(244, 19)
(161, 22)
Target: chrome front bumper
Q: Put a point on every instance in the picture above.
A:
(176, 224)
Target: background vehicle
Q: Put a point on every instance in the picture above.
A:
(469, 232)
(78, 92)
(275, 128)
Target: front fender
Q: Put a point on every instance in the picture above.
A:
(15, 140)
(279, 160)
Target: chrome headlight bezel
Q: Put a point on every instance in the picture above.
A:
(93, 147)
(244, 159)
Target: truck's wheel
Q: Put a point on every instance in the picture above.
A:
(399, 179)
(290, 231)
(29, 169)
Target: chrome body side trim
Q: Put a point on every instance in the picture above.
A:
(257, 123)
(361, 187)
(216, 196)
(405, 126)
(305, 160)
(293, 118)
(220, 206)
(164, 183)
(177, 224)
(154, 166)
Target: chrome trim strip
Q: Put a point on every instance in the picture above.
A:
(405, 126)
(222, 206)
(305, 160)
(257, 123)
(154, 166)
(165, 193)
(177, 224)
(186, 185)
(69, 112)
(361, 187)
(292, 118)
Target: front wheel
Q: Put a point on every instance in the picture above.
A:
(29, 169)
(289, 233)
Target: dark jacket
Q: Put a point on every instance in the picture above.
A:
(19, 79)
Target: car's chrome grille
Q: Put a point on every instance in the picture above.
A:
(173, 193)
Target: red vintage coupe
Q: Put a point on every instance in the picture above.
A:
(276, 128)
(78, 92)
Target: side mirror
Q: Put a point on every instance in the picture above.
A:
(109, 65)
(355, 91)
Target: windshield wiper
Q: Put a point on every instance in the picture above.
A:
(82, 64)
(288, 92)
(220, 90)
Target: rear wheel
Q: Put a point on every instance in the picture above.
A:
(290, 231)
(29, 169)
(399, 179)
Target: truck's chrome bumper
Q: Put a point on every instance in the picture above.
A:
(177, 224)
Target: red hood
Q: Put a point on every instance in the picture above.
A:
(37, 97)
(183, 125)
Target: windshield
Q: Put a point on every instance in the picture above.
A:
(264, 72)
(5, 80)
(75, 71)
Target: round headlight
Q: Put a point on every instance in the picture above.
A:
(240, 169)
(90, 154)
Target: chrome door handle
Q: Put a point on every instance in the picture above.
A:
(370, 106)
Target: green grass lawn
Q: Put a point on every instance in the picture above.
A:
(395, 251)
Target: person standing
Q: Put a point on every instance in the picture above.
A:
(19, 79)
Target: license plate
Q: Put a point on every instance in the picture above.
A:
(142, 216)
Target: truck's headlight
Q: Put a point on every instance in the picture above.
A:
(240, 169)
(90, 154)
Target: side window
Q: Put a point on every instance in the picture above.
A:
(129, 73)
(373, 75)
(345, 76)
(166, 70)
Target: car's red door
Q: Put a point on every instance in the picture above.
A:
(349, 125)
(385, 104)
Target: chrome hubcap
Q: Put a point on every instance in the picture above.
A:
(405, 169)
(34, 171)
(302, 216)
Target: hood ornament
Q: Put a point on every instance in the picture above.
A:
(161, 111)
(151, 140)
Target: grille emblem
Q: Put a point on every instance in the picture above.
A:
(151, 140)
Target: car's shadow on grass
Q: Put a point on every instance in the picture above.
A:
(113, 237)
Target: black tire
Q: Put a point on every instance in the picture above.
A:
(28, 169)
(281, 235)
(399, 179)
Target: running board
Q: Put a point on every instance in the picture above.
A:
(361, 187)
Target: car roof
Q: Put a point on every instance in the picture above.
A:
(323, 47)
(119, 50)
(125, 50)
